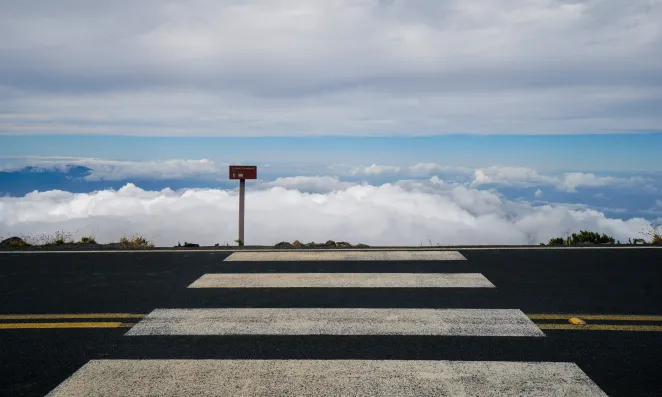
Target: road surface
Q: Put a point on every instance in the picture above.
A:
(506, 322)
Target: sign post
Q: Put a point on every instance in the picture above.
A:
(242, 172)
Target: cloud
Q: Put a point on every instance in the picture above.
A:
(433, 168)
(374, 170)
(341, 67)
(527, 177)
(571, 181)
(420, 169)
(538, 193)
(511, 176)
(405, 213)
(311, 184)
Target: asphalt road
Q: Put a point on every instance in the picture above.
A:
(592, 282)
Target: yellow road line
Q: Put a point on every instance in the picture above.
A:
(615, 317)
(67, 316)
(601, 327)
(60, 325)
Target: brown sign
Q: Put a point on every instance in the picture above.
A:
(243, 172)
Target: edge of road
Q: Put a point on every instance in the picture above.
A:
(272, 249)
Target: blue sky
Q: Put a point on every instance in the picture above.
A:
(612, 153)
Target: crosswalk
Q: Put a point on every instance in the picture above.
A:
(319, 377)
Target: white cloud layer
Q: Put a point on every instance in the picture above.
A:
(336, 67)
(568, 182)
(308, 184)
(405, 213)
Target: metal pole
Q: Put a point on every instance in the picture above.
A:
(242, 194)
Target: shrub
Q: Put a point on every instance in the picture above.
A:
(14, 242)
(556, 241)
(583, 237)
(88, 240)
(135, 241)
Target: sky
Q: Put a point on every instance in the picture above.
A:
(423, 120)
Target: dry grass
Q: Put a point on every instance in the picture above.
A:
(135, 241)
(654, 234)
(60, 237)
(63, 238)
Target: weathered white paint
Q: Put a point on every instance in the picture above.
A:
(466, 322)
(313, 255)
(267, 378)
(342, 280)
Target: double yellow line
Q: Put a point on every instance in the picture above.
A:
(68, 324)
(571, 322)
(585, 322)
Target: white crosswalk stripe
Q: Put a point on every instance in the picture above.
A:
(312, 255)
(251, 378)
(450, 322)
(343, 280)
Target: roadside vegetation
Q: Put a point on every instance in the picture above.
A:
(64, 239)
(59, 238)
(14, 242)
(135, 241)
(328, 244)
(652, 236)
(584, 237)
(188, 245)
(88, 240)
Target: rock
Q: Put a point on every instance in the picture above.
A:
(14, 242)
(343, 244)
(330, 243)
(361, 246)
(297, 244)
(283, 244)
